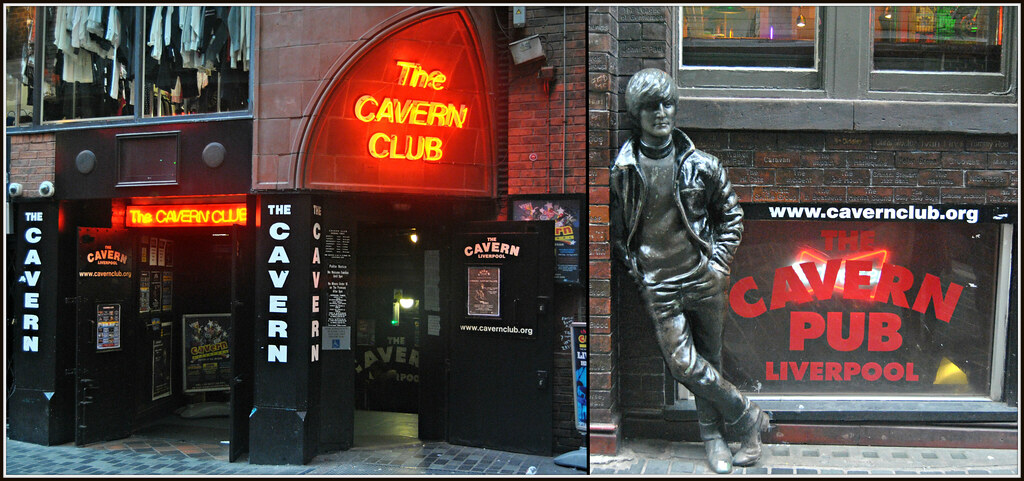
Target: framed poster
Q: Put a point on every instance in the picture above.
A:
(484, 285)
(162, 363)
(108, 327)
(207, 352)
(564, 210)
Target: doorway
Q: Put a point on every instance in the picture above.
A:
(165, 341)
(389, 295)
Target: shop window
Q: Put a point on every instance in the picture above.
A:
(939, 48)
(87, 55)
(938, 39)
(88, 62)
(21, 23)
(748, 46)
(196, 60)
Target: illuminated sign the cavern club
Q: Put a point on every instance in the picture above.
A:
(410, 114)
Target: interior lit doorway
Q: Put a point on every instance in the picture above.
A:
(389, 290)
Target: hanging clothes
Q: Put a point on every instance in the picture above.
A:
(156, 34)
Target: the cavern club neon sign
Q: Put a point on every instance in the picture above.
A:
(423, 113)
(185, 215)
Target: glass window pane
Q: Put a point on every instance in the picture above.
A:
(88, 62)
(733, 36)
(196, 60)
(938, 39)
(21, 23)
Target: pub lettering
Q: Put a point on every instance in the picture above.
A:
(861, 280)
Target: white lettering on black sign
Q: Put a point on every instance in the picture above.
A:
(30, 320)
(278, 302)
(491, 249)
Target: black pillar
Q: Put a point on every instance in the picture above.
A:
(285, 421)
(41, 407)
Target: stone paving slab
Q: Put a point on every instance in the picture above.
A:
(637, 457)
(429, 458)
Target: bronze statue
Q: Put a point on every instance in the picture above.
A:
(676, 224)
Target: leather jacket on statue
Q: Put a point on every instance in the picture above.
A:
(703, 194)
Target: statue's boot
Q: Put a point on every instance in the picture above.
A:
(719, 455)
(750, 441)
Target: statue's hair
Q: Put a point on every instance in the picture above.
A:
(648, 86)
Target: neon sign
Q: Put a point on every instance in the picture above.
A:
(411, 112)
(185, 215)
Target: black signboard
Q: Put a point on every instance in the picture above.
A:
(338, 246)
(854, 307)
(564, 211)
(206, 352)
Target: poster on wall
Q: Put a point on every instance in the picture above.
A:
(565, 212)
(864, 307)
(169, 254)
(144, 250)
(579, 364)
(484, 284)
(206, 352)
(144, 290)
(108, 327)
(154, 245)
(156, 298)
(167, 290)
(162, 363)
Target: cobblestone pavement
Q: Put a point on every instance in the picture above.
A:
(637, 457)
(150, 457)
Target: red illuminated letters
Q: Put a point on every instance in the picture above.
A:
(383, 145)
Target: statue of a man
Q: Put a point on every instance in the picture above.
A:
(676, 224)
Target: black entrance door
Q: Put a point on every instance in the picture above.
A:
(501, 347)
(104, 307)
(242, 343)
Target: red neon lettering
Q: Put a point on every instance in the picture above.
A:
(883, 331)
(854, 279)
(787, 287)
(931, 290)
(835, 331)
(803, 326)
(740, 305)
(185, 215)
(888, 285)
(823, 287)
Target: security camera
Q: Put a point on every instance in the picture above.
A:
(46, 189)
(14, 189)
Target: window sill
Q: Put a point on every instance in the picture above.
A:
(126, 122)
(847, 115)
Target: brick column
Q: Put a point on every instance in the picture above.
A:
(623, 40)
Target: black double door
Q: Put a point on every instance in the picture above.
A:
(109, 338)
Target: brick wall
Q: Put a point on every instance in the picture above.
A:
(32, 161)
(547, 116)
(547, 149)
(869, 168)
